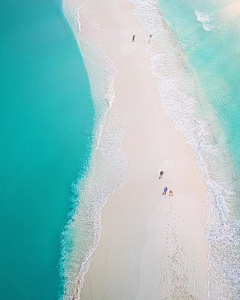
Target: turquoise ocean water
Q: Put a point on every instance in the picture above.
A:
(46, 124)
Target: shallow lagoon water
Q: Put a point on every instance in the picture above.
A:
(210, 41)
(209, 36)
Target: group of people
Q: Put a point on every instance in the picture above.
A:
(149, 39)
(170, 193)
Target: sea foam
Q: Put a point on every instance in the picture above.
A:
(107, 169)
(205, 19)
(208, 20)
(191, 112)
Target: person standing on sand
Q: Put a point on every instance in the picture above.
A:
(150, 37)
(133, 38)
(161, 175)
(165, 191)
(170, 193)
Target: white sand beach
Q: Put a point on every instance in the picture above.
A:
(151, 245)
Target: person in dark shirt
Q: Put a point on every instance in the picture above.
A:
(161, 175)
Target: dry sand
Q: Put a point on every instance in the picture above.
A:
(231, 11)
(151, 245)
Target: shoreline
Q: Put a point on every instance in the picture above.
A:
(124, 53)
(81, 234)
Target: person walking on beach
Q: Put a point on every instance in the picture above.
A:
(150, 37)
(165, 191)
(170, 193)
(161, 175)
(133, 38)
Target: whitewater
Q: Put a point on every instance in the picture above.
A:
(107, 169)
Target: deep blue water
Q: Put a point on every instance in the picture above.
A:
(46, 123)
